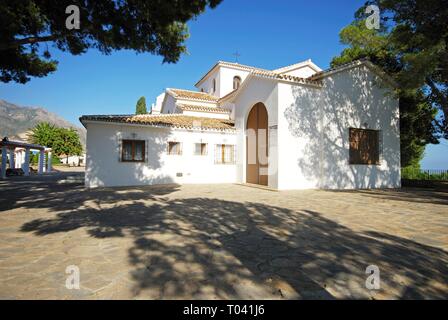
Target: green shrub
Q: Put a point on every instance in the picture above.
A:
(418, 174)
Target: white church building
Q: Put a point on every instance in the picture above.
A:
(297, 127)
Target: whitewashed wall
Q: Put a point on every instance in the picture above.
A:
(308, 138)
(157, 106)
(294, 103)
(169, 104)
(314, 132)
(224, 80)
(196, 103)
(202, 114)
(265, 91)
(207, 84)
(103, 167)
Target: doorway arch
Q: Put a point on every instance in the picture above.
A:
(257, 145)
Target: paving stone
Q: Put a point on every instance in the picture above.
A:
(220, 242)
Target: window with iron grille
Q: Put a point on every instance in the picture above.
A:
(200, 149)
(174, 148)
(364, 146)
(133, 150)
(225, 154)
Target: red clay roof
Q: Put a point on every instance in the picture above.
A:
(168, 120)
(190, 107)
(196, 95)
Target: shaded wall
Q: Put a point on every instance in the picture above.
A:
(314, 132)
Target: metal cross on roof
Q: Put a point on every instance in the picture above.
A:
(237, 55)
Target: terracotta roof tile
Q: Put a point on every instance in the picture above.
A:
(363, 61)
(196, 95)
(261, 72)
(274, 75)
(168, 120)
(228, 95)
(190, 107)
(342, 66)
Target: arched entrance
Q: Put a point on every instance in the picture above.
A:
(257, 145)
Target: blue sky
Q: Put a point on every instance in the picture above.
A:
(267, 34)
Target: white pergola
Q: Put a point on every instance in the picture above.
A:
(19, 156)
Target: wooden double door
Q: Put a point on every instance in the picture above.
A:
(257, 145)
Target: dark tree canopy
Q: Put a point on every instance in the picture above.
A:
(28, 26)
(411, 46)
(418, 34)
(140, 108)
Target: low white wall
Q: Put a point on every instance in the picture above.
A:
(103, 167)
(314, 133)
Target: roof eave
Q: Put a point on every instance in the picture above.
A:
(233, 95)
(226, 64)
(207, 74)
(177, 97)
(161, 126)
(197, 100)
(299, 65)
(357, 63)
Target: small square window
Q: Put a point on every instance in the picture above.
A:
(224, 154)
(133, 150)
(174, 148)
(200, 149)
(364, 146)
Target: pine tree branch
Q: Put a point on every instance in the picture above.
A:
(29, 40)
(443, 99)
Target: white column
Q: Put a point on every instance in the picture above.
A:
(22, 158)
(4, 159)
(19, 158)
(49, 161)
(26, 164)
(41, 162)
(12, 163)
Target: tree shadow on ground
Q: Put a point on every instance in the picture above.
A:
(212, 248)
(404, 194)
(67, 192)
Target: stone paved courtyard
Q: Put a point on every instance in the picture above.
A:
(219, 242)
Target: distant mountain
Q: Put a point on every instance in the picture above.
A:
(16, 121)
